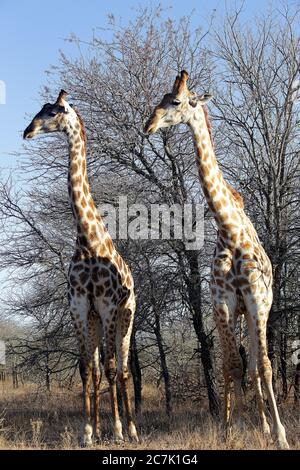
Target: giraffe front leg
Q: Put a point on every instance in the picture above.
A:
(86, 377)
(111, 375)
(79, 308)
(224, 314)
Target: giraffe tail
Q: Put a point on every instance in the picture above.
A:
(242, 351)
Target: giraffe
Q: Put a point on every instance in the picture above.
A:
(241, 272)
(100, 288)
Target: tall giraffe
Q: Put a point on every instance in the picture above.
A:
(100, 290)
(241, 277)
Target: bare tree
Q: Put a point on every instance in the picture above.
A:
(258, 117)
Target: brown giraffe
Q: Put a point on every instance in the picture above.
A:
(241, 278)
(100, 291)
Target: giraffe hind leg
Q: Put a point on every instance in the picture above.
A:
(253, 372)
(257, 315)
(111, 372)
(96, 331)
(227, 403)
(124, 328)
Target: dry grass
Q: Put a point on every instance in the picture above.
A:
(31, 420)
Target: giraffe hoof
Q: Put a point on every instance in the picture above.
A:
(227, 429)
(119, 440)
(134, 439)
(132, 433)
(87, 440)
(97, 439)
(280, 438)
(282, 444)
(266, 430)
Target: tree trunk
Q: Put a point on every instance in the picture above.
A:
(297, 372)
(272, 341)
(136, 375)
(283, 360)
(194, 291)
(297, 385)
(164, 366)
(272, 326)
(48, 373)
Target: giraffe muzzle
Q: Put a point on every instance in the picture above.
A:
(149, 128)
(28, 133)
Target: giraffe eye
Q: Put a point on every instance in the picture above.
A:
(176, 102)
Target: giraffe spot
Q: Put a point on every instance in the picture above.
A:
(95, 275)
(85, 225)
(74, 168)
(246, 245)
(93, 232)
(217, 205)
(90, 215)
(103, 272)
(114, 282)
(247, 290)
(85, 189)
(229, 287)
(205, 170)
(109, 245)
(109, 292)
(224, 201)
(92, 204)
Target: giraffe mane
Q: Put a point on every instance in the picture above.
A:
(82, 128)
(208, 124)
(236, 195)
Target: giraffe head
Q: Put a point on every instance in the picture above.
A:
(176, 107)
(51, 118)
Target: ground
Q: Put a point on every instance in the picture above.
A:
(31, 419)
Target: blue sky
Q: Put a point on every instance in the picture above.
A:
(32, 32)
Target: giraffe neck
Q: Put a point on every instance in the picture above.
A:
(90, 227)
(221, 202)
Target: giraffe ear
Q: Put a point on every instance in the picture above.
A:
(205, 98)
(61, 97)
